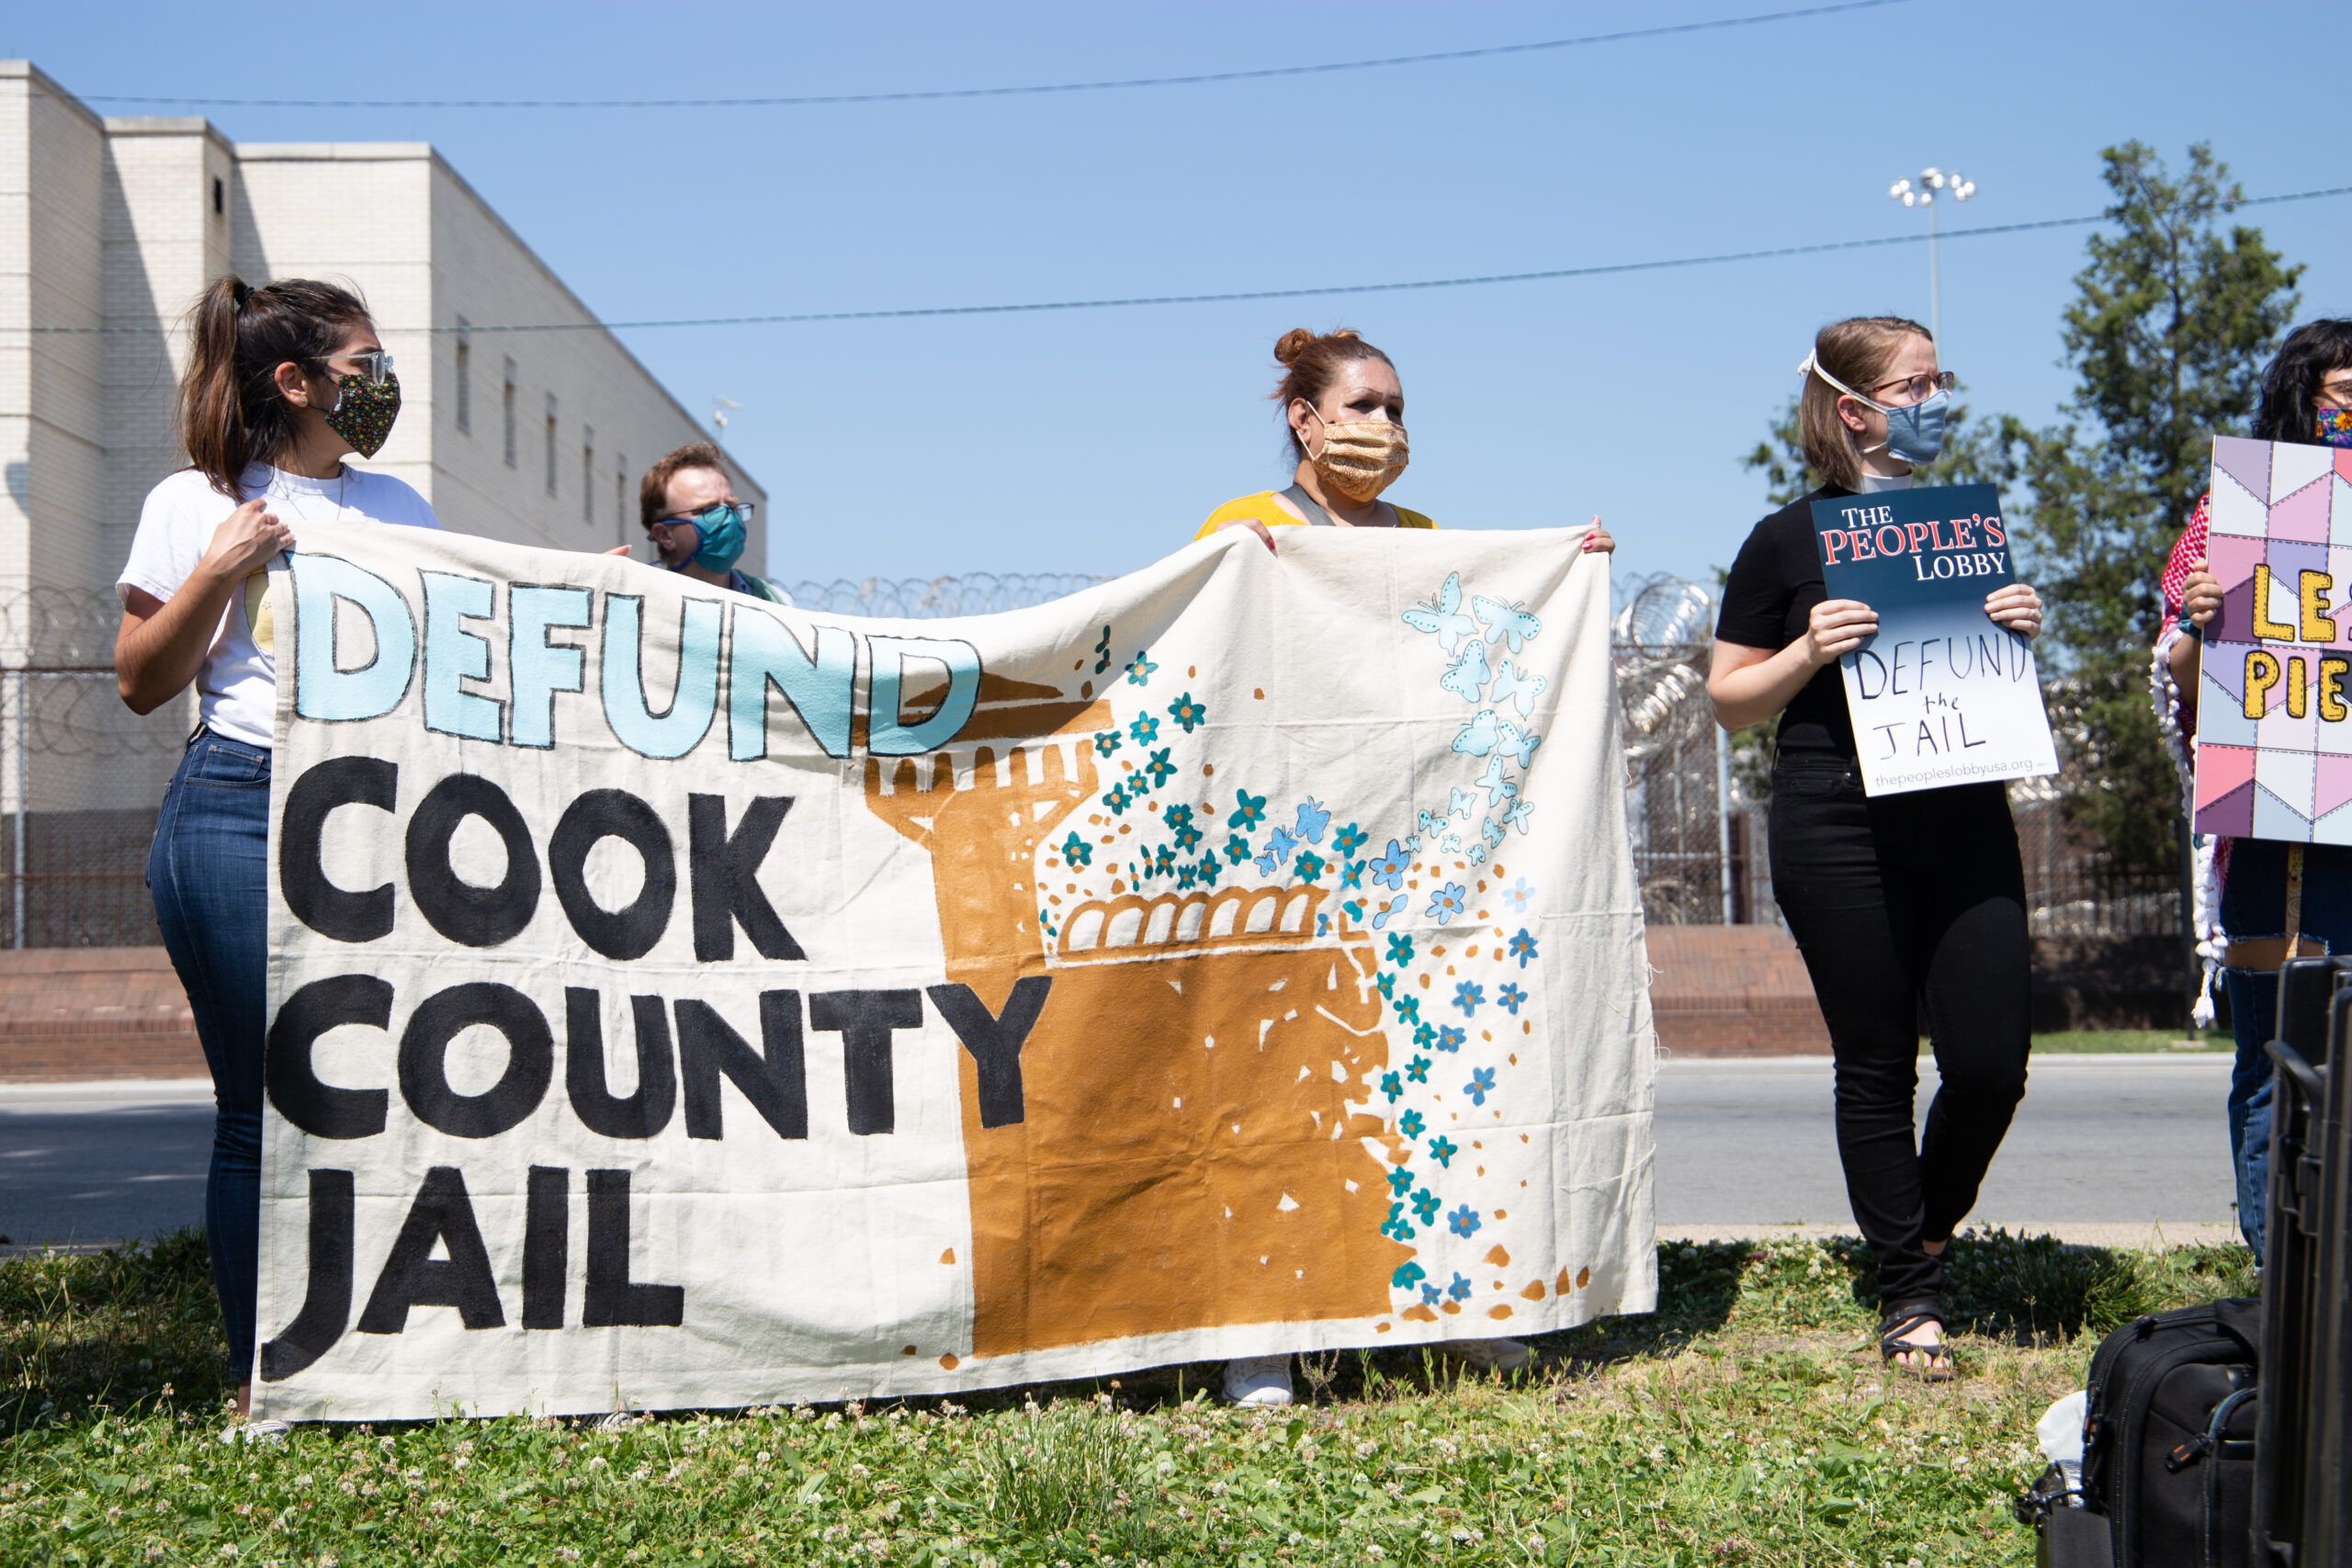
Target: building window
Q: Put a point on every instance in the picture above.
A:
(620, 494)
(550, 443)
(506, 411)
(465, 378)
(220, 198)
(588, 473)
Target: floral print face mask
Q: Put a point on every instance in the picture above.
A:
(364, 412)
(2335, 427)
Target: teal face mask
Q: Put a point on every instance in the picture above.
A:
(722, 537)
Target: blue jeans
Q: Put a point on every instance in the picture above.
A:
(209, 873)
(2254, 905)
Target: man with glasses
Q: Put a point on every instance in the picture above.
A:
(698, 525)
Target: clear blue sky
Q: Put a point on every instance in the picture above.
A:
(1095, 441)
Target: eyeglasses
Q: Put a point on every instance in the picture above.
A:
(744, 510)
(1921, 388)
(375, 364)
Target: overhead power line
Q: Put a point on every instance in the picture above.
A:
(1605, 269)
(1032, 90)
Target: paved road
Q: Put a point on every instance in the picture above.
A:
(2135, 1139)
(2128, 1139)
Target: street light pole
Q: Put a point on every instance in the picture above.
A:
(1923, 194)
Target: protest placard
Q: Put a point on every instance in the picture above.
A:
(2274, 753)
(1940, 695)
(679, 1000)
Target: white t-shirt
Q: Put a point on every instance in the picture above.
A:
(237, 688)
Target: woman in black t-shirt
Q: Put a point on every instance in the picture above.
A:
(1897, 901)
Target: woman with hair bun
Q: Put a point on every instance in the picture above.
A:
(283, 382)
(1345, 408)
(1896, 902)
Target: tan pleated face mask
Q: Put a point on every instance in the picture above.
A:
(1361, 457)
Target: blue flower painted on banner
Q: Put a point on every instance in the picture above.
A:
(1141, 670)
(1388, 869)
(1394, 906)
(1354, 906)
(1431, 1295)
(1417, 1069)
(1188, 713)
(1106, 742)
(1442, 1149)
(1464, 1221)
(1312, 821)
(1248, 813)
(1481, 1084)
(1408, 1274)
(1458, 1289)
(1178, 818)
(1349, 840)
(1400, 1181)
(1423, 1035)
(1309, 866)
(1426, 1205)
(1523, 947)
(1076, 851)
(1209, 869)
(1388, 983)
(1146, 729)
(1395, 1225)
(1164, 862)
(1392, 1085)
(1450, 1039)
(1517, 895)
(1161, 768)
(1237, 849)
(1187, 874)
(1407, 1008)
(1410, 1124)
(1512, 997)
(1447, 902)
(1401, 948)
(1468, 995)
(1117, 799)
(1352, 874)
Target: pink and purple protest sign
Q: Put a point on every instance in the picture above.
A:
(2274, 699)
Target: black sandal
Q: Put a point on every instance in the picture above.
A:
(1935, 1363)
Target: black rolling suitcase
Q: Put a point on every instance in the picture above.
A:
(2302, 1510)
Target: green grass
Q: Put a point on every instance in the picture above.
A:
(1746, 1422)
(2094, 1041)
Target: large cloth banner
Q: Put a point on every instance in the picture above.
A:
(678, 1001)
(2274, 752)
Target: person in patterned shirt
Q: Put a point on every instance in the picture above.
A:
(2242, 882)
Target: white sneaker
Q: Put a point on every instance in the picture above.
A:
(255, 1432)
(1489, 1355)
(1260, 1381)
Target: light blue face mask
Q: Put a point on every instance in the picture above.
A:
(1914, 435)
(719, 530)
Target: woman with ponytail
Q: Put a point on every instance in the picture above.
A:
(1345, 408)
(283, 382)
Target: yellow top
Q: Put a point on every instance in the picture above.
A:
(1262, 508)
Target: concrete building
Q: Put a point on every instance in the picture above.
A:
(109, 228)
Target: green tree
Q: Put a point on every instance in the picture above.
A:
(2173, 319)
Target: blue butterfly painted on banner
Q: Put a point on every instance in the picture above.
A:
(1445, 618)
(1491, 831)
(1478, 854)
(1499, 788)
(1279, 846)
(1517, 815)
(1450, 843)
(1477, 737)
(1508, 622)
(1520, 745)
(1469, 672)
(1427, 822)
(1516, 689)
(1394, 906)
(1463, 804)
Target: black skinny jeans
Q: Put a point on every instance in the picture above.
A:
(1893, 901)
